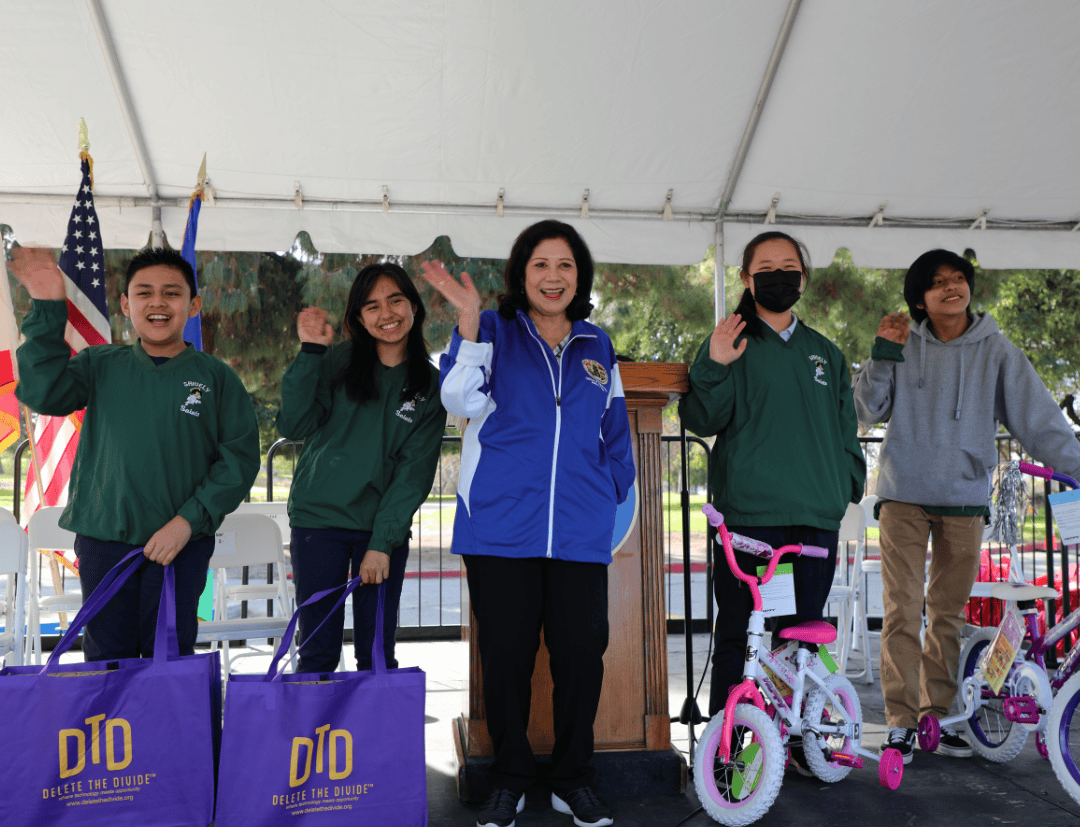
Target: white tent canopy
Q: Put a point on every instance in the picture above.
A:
(887, 128)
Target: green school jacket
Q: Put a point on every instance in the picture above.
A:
(363, 467)
(156, 441)
(787, 449)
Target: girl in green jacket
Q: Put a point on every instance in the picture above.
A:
(787, 460)
(369, 413)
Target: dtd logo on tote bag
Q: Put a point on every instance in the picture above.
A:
(314, 763)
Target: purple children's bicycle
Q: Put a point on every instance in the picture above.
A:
(1004, 688)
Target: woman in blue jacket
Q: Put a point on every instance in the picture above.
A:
(545, 459)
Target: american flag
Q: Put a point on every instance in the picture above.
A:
(82, 259)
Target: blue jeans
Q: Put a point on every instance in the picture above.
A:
(323, 558)
(125, 626)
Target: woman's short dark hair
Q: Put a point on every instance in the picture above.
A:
(920, 277)
(360, 375)
(514, 299)
(153, 256)
(747, 309)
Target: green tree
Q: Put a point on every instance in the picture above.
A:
(1039, 311)
(655, 313)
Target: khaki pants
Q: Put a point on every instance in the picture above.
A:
(917, 679)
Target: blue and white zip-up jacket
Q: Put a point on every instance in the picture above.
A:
(546, 456)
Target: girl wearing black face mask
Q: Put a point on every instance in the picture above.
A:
(786, 461)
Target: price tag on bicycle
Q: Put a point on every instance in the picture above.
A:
(778, 594)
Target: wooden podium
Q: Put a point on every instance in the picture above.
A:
(633, 724)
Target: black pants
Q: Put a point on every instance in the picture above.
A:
(734, 602)
(512, 599)
(126, 625)
(323, 558)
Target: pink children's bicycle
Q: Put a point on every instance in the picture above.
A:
(787, 693)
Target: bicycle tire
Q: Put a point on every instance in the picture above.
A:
(733, 795)
(1063, 736)
(992, 735)
(820, 705)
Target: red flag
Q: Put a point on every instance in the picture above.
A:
(82, 259)
(9, 338)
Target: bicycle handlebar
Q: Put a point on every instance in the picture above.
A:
(1036, 471)
(1047, 473)
(727, 540)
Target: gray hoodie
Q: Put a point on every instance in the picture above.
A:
(943, 403)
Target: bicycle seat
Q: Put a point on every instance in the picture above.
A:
(812, 631)
(1022, 591)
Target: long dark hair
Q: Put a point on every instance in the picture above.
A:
(920, 277)
(360, 375)
(514, 299)
(747, 309)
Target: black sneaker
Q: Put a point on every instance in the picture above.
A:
(584, 805)
(500, 808)
(902, 739)
(953, 745)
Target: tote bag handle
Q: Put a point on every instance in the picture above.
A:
(166, 646)
(378, 656)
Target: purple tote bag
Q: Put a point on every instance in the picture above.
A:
(343, 748)
(124, 742)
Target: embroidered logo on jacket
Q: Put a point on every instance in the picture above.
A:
(408, 407)
(819, 369)
(596, 373)
(194, 398)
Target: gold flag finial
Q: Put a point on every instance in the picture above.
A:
(202, 174)
(84, 136)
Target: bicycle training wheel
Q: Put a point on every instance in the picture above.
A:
(1063, 736)
(821, 708)
(742, 790)
(993, 736)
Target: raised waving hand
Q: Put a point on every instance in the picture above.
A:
(894, 328)
(722, 342)
(311, 326)
(36, 270)
(462, 295)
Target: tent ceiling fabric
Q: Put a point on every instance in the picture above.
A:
(943, 110)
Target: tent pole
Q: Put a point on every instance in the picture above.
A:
(123, 98)
(719, 305)
(759, 104)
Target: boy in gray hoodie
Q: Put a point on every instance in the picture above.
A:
(943, 383)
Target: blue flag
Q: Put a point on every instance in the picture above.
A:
(193, 328)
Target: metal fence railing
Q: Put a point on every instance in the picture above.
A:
(431, 606)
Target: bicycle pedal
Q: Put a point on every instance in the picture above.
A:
(845, 760)
(1021, 710)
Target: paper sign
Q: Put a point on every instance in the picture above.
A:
(997, 660)
(778, 595)
(1065, 506)
(225, 542)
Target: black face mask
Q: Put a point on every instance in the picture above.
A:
(777, 290)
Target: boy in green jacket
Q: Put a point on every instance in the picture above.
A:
(169, 444)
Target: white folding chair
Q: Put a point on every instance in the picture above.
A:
(842, 593)
(45, 533)
(864, 567)
(278, 510)
(246, 540)
(13, 559)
